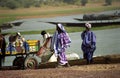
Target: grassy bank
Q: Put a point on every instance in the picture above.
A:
(7, 15)
(57, 11)
(74, 29)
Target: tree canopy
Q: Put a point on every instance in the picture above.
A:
(13, 4)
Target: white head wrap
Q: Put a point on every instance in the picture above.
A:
(18, 33)
(61, 27)
(88, 25)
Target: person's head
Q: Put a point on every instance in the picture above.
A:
(18, 34)
(88, 26)
(43, 32)
(60, 28)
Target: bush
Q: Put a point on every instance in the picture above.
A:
(83, 2)
(12, 5)
(37, 4)
(108, 2)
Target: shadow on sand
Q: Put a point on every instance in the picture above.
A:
(108, 59)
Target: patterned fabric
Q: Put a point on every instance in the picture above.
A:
(65, 41)
(60, 42)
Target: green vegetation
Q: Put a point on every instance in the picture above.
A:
(64, 11)
(6, 19)
(73, 29)
(79, 29)
(108, 2)
(46, 8)
(84, 2)
(13, 4)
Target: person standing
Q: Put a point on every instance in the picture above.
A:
(60, 41)
(88, 43)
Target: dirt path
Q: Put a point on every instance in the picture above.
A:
(102, 67)
(81, 71)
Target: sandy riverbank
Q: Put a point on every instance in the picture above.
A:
(102, 67)
(82, 71)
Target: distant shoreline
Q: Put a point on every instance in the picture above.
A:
(44, 12)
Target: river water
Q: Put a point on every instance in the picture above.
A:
(41, 23)
(108, 41)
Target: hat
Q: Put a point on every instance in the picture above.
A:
(88, 25)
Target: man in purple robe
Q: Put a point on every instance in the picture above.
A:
(88, 43)
(60, 42)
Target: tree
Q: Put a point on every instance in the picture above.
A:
(108, 2)
(3, 3)
(83, 2)
(77, 2)
(37, 3)
(12, 4)
(28, 3)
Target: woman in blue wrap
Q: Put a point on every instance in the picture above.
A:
(60, 41)
(88, 43)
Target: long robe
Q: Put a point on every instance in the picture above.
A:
(60, 42)
(88, 45)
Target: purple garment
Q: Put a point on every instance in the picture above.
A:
(62, 43)
(64, 39)
(62, 57)
(88, 44)
(89, 39)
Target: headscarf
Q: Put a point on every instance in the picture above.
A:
(61, 27)
(64, 35)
